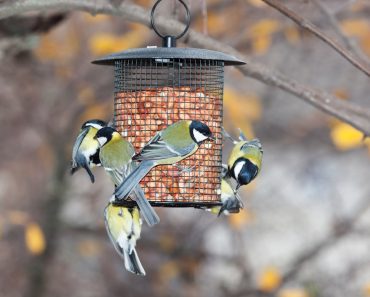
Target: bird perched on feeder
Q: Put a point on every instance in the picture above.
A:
(123, 226)
(173, 144)
(231, 202)
(116, 157)
(245, 160)
(85, 151)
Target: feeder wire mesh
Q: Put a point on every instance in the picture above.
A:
(151, 94)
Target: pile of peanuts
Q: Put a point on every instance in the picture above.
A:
(140, 115)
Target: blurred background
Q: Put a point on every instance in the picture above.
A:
(305, 229)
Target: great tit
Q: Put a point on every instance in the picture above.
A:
(245, 161)
(85, 151)
(116, 157)
(124, 226)
(231, 202)
(173, 144)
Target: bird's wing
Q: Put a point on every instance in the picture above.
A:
(111, 225)
(117, 174)
(77, 144)
(115, 168)
(158, 149)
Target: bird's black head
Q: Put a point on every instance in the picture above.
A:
(104, 135)
(244, 171)
(200, 132)
(97, 124)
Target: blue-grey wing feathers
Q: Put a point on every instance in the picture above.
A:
(146, 210)
(133, 179)
(76, 146)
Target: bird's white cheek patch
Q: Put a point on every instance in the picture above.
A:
(102, 140)
(238, 167)
(199, 136)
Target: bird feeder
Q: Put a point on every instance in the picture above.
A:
(158, 86)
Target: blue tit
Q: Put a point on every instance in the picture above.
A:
(116, 157)
(245, 161)
(123, 225)
(85, 151)
(173, 144)
(231, 202)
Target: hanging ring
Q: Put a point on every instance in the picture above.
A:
(187, 19)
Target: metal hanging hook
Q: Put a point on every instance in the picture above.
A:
(170, 41)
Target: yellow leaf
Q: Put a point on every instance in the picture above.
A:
(256, 3)
(367, 142)
(17, 217)
(145, 3)
(99, 18)
(35, 240)
(293, 293)
(359, 28)
(98, 111)
(291, 34)
(168, 270)
(355, 27)
(345, 137)
(269, 280)
(261, 35)
(239, 220)
(341, 93)
(242, 109)
(264, 27)
(366, 289)
(102, 44)
(365, 43)
(58, 48)
(215, 23)
(261, 44)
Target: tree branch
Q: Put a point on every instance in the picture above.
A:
(357, 116)
(306, 24)
(349, 43)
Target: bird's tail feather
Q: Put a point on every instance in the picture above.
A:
(88, 170)
(132, 263)
(74, 169)
(82, 162)
(133, 179)
(231, 206)
(147, 211)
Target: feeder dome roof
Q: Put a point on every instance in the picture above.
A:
(169, 53)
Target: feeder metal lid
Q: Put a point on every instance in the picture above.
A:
(169, 53)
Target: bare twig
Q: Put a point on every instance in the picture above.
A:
(357, 116)
(306, 24)
(349, 43)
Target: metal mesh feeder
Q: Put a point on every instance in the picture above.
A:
(155, 87)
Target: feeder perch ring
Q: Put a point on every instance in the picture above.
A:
(188, 18)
